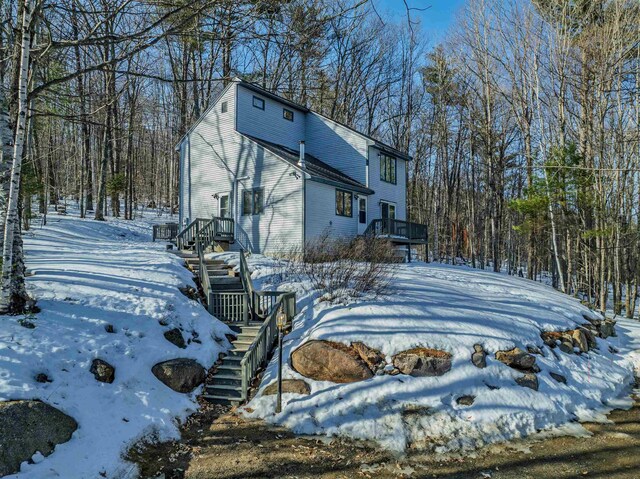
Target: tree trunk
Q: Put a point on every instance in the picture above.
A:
(13, 297)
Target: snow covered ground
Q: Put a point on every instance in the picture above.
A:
(88, 274)
(452, 308)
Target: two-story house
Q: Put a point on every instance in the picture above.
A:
(284, 174)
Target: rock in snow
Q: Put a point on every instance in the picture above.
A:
(329, 361)
(465, 400)
(558, 377)
(423, 362)
(291, 386)
(102, 371)
(518, 359)
(529, 380)
(375, 359)
(479, 357)
(28, 427)
(182, 374)
(174, 336)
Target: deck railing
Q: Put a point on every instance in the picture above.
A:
(258, 353)
(232, 307)
(397, 228)
(191, 232)
(167, 231)
(264, 306)
(216, 228)
(222, 227)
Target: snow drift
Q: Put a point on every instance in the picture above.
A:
(88, 275)
(451, 309)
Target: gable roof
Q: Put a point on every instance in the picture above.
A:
(257, 89)
(378, 144)
(317, 169)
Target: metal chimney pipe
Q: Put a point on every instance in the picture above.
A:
(301, 162)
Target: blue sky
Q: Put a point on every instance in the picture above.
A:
(435, 20)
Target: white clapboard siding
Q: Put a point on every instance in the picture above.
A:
(269, 124)
(203, 152)
(279, 228)
(320, 213)
(220, 160)
(337, 146)
(217, 156)
(396, 194)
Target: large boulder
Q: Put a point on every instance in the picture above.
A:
(102, 371)
(374, 359)
(423, 362)
(27, 427)
(181, 374)
(329, 361)
(518, 359)
(291, 386)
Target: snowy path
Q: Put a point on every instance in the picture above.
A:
(453, 308)
(87, 275)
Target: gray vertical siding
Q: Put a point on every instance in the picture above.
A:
(269, 124)
(337, 146)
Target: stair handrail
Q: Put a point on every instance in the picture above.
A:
(245, 275)
(258, 352)
(203, 240)
(190, 232)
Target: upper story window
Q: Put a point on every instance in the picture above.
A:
(343, 203)
(224, 107)
(287, 114)
(388, 169)
(258, 102)
(252, 202)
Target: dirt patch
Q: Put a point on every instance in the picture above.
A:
(218, 444)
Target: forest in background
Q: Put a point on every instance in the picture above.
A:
(523, 122)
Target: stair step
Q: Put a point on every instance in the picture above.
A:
(227, 288)
(218, 272)
(225, 280)
(225, 379)
(243, 342)
(227, 368)
(239, 327)
(224, 389)
(242, 337)
(231, 360)
(223, 400)
(237, 352)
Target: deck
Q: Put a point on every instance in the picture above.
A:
(398, 231)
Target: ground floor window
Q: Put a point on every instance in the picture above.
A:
(388, 210)
(253, 201)
(344, 201)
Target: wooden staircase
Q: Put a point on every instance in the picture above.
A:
(231, 298)
(225, 387)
